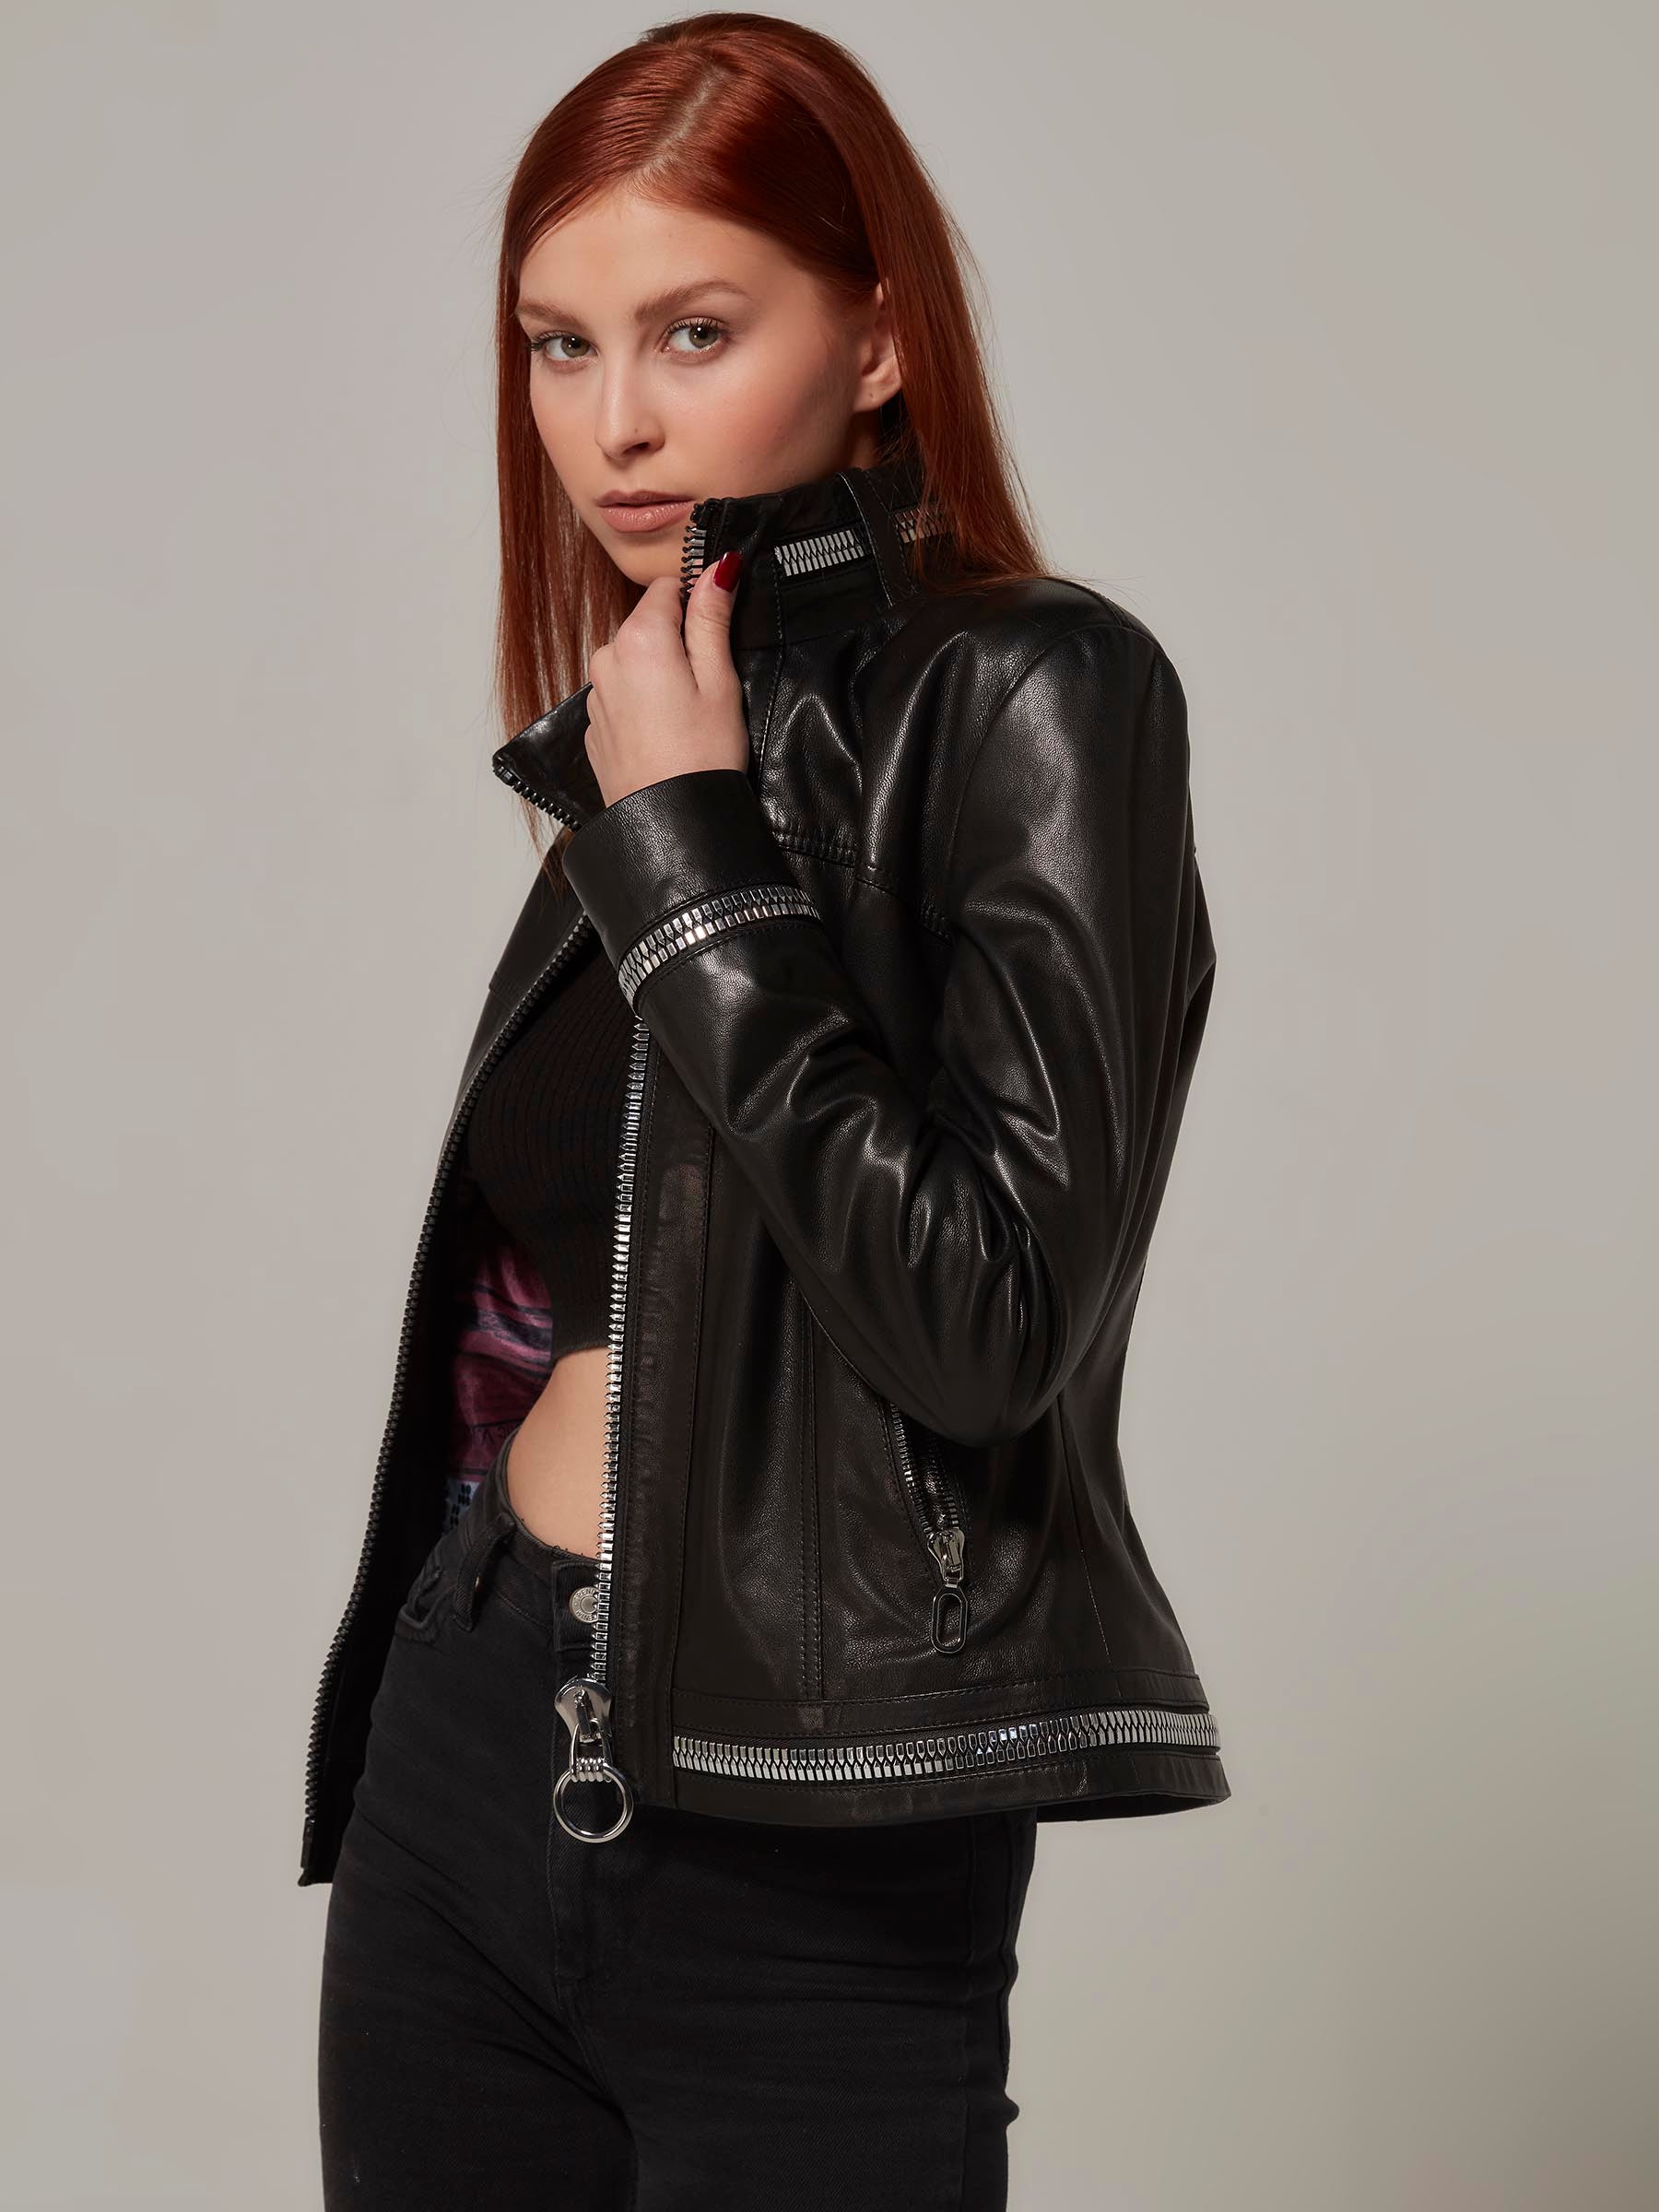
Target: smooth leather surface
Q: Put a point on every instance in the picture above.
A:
(902, 1147)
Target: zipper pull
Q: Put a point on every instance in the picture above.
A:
(584, 1706)
(950, 1605)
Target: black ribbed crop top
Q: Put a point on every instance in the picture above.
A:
(544, 1135)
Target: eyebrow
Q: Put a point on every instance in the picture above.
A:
(648, 311)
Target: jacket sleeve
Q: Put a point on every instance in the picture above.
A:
(960, 1249)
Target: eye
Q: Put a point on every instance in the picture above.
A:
(553, 346)
(556, 337)
(702, 323)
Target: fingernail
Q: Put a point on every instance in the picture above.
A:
(725, 569)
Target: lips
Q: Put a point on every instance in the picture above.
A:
(654, 514)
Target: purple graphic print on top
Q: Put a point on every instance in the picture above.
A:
(501, 1342)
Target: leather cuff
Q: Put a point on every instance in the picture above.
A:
(677, 863)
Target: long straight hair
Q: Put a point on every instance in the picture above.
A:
(768, 123)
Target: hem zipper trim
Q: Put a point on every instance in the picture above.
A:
(951, 1750)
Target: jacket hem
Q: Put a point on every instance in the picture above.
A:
(1084, 1785)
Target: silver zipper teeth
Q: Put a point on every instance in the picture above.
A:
(910, 1459)
(632, 1099)
(948, 1751)
(510, 775)
(949, 1486)
(582, 1757)
(691, 548)
(825, 550)
(704, 920)
(910, 1462)
(952, 1609)
(795, 556)
(633, 1095)
(950, 1489)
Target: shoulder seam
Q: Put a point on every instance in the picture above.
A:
(1105, 620)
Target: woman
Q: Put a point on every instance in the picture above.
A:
(749, 1566)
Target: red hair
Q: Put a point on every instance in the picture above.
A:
(768, 123)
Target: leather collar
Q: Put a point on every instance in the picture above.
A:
(824, 554)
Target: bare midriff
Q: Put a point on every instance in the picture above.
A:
(556, 1466)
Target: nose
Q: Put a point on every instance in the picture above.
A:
(623, 426)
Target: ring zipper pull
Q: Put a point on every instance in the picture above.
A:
(584, 1706)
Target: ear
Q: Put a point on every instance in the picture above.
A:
(879, 374)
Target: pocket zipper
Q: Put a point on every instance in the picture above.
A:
(936, 1514)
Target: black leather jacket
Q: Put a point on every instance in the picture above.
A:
(916, 1002)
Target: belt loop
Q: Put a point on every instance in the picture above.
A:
(475, 1565)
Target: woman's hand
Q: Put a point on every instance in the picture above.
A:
(662, 704)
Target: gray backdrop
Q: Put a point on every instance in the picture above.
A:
(1325, 342)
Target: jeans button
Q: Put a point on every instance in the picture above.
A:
(582, 1603)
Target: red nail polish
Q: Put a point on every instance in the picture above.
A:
(725, 569)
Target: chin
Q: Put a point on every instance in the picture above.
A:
(644, 568)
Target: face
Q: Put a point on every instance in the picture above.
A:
(675, 354)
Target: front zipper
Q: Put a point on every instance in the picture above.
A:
(936, 1510)
(583, 1703)
(691, 548)
(451, 1146)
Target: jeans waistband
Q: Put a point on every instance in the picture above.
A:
(549, 1582)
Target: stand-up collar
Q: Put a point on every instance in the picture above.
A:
(824, 554)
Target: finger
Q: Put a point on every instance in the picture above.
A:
(709, 627)
(652, 614)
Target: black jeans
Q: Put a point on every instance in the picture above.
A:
(700, 2013)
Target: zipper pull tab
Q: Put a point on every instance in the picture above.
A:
(946, 1545)
(584, 1706)
(949, 1623)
